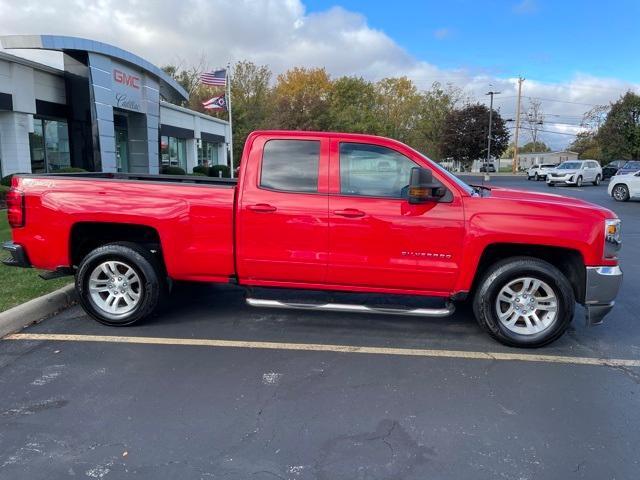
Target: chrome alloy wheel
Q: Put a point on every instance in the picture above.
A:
(527, 306)
(620, 193)
(115, 288)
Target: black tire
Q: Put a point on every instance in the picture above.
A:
(596, 182)
(551, 184)
(505, 271)
(579, 181)
(620, 192)
(143, 262)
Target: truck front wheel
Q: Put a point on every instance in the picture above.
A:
(524, 302)
(119, 284)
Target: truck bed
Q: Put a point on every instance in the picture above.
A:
(192, 217)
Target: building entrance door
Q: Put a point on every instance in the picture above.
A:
(122, 143)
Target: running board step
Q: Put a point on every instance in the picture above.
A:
(354, 308)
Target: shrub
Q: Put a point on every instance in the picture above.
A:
(6, 181)
(197, 174)
(215, 170)
(201, 169)
(172, 171)
(3, 195)
(70, 170)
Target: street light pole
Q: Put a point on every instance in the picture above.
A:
(486, 173)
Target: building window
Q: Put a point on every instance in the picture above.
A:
(208, 154)
(173, 152)
(49, 144)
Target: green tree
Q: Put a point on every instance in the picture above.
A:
(466, 130)
(586, 146)
(434, 107)
(398, 108)
(619, 136)
(301, 99)
(532, 147)
(353, 106)
(250, 102)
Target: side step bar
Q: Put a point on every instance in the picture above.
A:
(343, 307)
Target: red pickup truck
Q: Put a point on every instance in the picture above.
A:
(324, 212)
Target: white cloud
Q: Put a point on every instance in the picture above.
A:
(281, 34)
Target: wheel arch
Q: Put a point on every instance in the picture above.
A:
(570, 262)
(87, 236)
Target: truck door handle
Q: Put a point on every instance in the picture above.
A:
(349, 213)
(262, 207)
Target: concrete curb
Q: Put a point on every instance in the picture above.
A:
(17, 318)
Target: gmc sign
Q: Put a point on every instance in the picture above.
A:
(128, 80)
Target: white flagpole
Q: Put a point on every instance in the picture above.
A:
(230, 119)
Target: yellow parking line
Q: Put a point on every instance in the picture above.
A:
(318, 347)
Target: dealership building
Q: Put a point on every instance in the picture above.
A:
(108, 110)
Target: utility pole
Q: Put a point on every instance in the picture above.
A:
(514, 168)
(486, 173)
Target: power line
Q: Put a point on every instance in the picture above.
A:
(548, 131)
(561, 101)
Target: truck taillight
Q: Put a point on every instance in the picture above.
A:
(15, 208)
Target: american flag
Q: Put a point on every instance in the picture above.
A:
(217, 78)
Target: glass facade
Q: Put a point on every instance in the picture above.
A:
(173, 152)
(49, 144)
(208, 154)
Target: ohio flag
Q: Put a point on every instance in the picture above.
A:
(216, 103)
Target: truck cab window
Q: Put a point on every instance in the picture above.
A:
(290, 165)
(371, 170)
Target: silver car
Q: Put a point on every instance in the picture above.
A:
(575, 172)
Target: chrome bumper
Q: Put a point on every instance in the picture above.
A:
(601, 289)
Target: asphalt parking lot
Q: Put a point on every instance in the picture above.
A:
(170, 399)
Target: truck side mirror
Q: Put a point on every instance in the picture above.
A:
(422, 188)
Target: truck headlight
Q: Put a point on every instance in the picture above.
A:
(612, 237)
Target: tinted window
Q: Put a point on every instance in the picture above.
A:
(290, 165)
(370, 170)
(632, 165)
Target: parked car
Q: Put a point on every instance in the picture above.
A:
(611, 168)
(539, 172)
(632, 166)
(575, 172)
(314, 211)
(488, 167)
(625, 187)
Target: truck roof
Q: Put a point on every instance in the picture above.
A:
(344, 135)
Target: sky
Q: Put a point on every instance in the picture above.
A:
(573, 54)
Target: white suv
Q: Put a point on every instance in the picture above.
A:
(575, 172)
(624, 187)
(539, 172)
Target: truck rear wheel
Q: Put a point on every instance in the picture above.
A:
(524, 302)
(120, 284)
